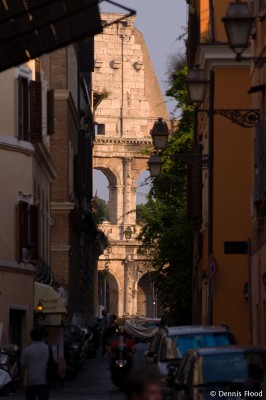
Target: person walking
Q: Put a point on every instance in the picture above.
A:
(144, 384)
(34, 364)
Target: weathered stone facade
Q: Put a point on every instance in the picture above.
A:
(128, 100)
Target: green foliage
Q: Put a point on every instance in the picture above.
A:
(166, 233)
(100, 210)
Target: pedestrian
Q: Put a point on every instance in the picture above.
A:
(34, 364)
(144, 384)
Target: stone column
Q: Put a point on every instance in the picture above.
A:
(120, 206)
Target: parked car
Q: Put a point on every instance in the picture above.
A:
(170, 345)
(232, 372)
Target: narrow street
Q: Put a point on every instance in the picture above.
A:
(93, 382)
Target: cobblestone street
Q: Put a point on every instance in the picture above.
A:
(93, 382)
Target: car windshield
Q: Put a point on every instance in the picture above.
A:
(231, 367)
(175, 347)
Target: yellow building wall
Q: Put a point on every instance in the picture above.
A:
(16, 293)
(231, 197)
(16, 177)
(219, 10)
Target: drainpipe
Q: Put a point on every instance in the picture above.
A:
(210, 191)
(212, 26)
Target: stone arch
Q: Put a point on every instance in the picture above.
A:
(145, 297)
(143, 185)
(113, 180)
(109, 292)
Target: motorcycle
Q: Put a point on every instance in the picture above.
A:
(72, 350)
(121, 362)
(9, 369)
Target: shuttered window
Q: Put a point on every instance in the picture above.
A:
(35, 112)
(27, 227)
(86, 56)
(37, 70)
(260, 160)
(50, 112)
(75, 174)
(34, 227)
(22, 227)
(88, 166)
(23, 109)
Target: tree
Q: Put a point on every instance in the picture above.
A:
(100, 210)
(166, 233)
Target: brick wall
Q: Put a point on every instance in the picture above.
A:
(59, 147)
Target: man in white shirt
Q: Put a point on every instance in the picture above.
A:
(34, 362)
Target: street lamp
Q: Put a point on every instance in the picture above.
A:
(155, 165)
(196, 84)
(40, 307)
(238, 23)
(159, 134)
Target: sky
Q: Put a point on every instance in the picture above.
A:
(161, 22)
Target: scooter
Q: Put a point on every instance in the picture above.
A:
(9, 369)
(121, 361)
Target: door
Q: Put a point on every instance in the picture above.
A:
(17, 321)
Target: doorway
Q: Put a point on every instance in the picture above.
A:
(17, 322)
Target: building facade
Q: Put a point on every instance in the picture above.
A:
(258, 266)
(220, 195)
(74, 234)
(127, 102)
(26, 116)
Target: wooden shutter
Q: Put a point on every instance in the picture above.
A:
(34, 228)
(50, 112)
(23, 109)
(22, 227)
(88, 166)
(86, 56)
(75, 174)
(81, 157)
(37, 70)
(36, 111)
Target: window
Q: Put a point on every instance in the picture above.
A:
(27, 227)
(50, 112)
(260, 160)
(23, 109)
(29, 110)
(100, 129)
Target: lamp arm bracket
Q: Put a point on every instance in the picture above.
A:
(244, 118)
(258, 61)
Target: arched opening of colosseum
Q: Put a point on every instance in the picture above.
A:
(108, 292)
(105, 186)
(143, 185)
(146, 297)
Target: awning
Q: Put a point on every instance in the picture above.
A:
(51, 301)
(142, 328)
(30, 28)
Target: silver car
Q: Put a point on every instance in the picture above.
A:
(170, 345)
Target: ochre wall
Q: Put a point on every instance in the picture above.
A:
(16, 292)
(231, 197)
